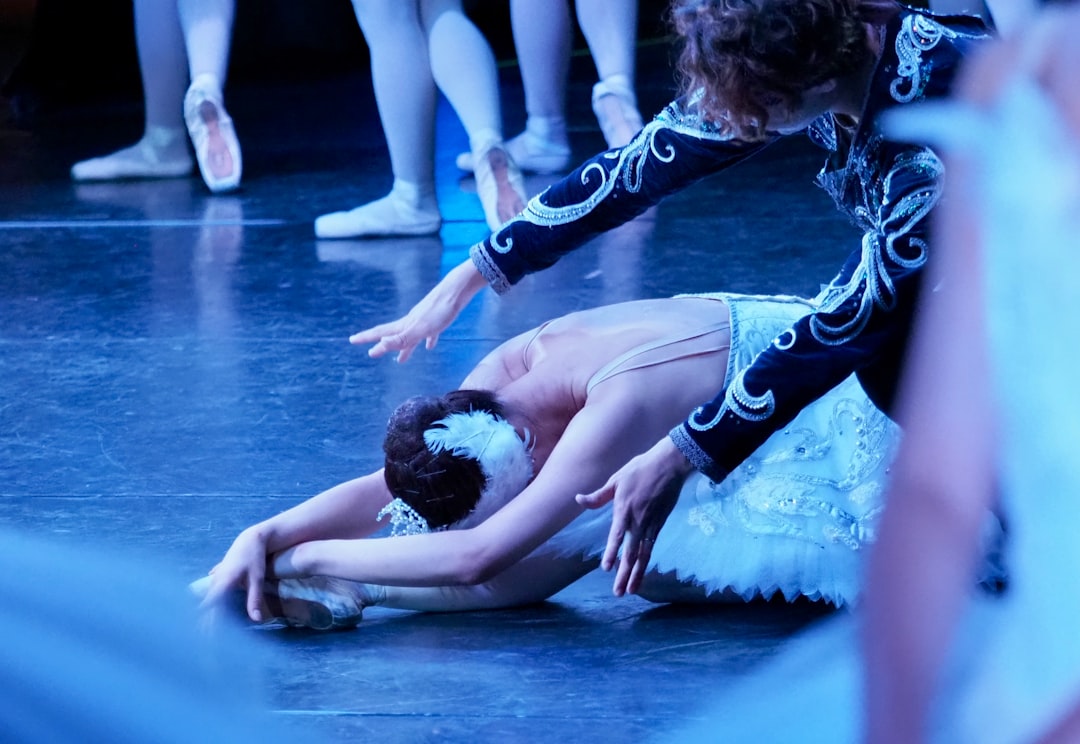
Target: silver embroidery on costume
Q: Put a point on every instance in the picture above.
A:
(786, 501)
(747, 406)
(870, 281)
(918, 34)
(627, 166)
(785, 340)
(739, 401)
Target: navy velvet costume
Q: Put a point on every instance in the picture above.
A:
(863, 316)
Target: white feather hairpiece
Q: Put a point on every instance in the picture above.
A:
(504, 458)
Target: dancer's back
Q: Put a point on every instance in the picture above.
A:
(662, 356)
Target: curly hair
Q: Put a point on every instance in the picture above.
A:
(442, 488)
(742, 56)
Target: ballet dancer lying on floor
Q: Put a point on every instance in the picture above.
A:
(572, 401)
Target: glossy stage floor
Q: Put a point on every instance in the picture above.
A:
(175, 367)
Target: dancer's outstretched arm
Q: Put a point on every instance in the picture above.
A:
(671, 153)
(428, 318)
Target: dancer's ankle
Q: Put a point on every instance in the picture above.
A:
(416, 196)
(484, 140)
(169, 142)
(547, 129)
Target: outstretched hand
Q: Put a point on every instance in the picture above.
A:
(645, 491)
(427, 319)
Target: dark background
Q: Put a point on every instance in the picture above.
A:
(59, 54)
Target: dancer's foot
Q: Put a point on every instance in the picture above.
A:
(499, 185)
(401, 212)
(161, 153)
(532, 154)
(212, 135)
(320, 602)
(315, 602)
(615, 106)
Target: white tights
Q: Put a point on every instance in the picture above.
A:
(416, 45)
(178, 41)
(542, 37)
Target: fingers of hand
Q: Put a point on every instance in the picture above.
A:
(615, 539)
(388, 343)
(254, 602)
(374, 333)
(626, 562)
(597, 498)
(641, 565)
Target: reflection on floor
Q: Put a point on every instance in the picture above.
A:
(175, 367)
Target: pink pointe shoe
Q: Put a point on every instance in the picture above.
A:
(212, 135)
(498, 184)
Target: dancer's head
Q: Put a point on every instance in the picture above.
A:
(769, 65)
(445, 455)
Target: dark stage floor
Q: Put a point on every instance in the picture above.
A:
(175, 366)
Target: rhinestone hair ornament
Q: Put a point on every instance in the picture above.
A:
(503, 456)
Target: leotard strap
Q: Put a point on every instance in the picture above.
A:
(625, 362)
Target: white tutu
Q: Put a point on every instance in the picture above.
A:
(795, 517)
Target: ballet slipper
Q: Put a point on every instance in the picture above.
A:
(321, 602)
(498, 184)
(159, 154)
(393, 215)
(615, 106)
(315, 602)
(532, 154)
(212, 135)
